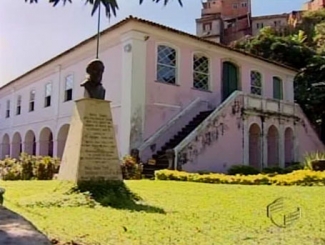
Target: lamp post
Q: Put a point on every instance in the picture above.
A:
(98, 31)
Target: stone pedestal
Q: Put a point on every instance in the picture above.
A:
(91, 152)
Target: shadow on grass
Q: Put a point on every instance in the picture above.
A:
(115, 194)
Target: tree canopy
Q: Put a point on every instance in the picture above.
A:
(303, 48)
(111, 6)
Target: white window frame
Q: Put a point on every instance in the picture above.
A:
(177, 75)
(208, 74)
(251, 85)
(66, 88)
(7, 108)
(46, 95)
(18, 105)
(32, 96)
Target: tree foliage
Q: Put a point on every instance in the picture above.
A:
(302, 48)
(111, 6)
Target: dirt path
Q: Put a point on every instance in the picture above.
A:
(15, 230)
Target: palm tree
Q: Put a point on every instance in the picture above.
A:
(111, 6)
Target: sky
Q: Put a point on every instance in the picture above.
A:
(31, 34)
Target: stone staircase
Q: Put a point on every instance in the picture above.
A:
(161, 159)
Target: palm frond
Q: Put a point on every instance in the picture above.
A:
(111, 6)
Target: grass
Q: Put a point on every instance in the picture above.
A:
(179, 213)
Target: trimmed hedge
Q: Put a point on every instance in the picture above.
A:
(249, 170)
(299, 177)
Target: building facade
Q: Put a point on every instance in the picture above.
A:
(224, 21)
(214, 106)
(314, 5)
(227, 21)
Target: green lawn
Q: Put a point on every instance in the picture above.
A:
(195, 214)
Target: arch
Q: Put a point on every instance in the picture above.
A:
(16, 145)
(5, 149)
(255, 146)
(230, 79)
(288, 146)
(30, 143)
(62, 137)
(46, 142)
(273, 147)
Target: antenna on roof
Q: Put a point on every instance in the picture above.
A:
(98, 31)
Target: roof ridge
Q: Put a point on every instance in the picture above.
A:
(148, 22)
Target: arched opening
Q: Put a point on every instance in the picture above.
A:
(273, 147)
(288, 146)
(16, 145)
(46, 142)
(30, 143)
(5, 149)
(230, 79)
(255, 146)
(62, 137)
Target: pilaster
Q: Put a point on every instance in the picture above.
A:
(264, 145)
(133, 90)
(281, 145)
(245, 142)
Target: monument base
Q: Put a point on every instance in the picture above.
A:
(90, 151)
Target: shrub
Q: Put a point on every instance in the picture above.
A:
(131, 169)
(273, 170)
(204, 172)
(298, 177)
(294, 167)
(28, 167)
(242, 170)
(312, 158)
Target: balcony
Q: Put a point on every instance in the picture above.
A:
(270, 107)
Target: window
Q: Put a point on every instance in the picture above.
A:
(68, 88)
(256, 83)
(200, 72)
(48, 93)
(277, 88)
(8, 109)
(32, 100)
(244, 4)
(207, 27)
(166, 64)
(277, 23)
(235, 5)
(259, 25)
(18, 108)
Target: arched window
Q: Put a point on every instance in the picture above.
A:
(166, 64)
(201, 74)
(256, 83)
(277, 88)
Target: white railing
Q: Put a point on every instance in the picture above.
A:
(256, 102)
(172, 127)
(203, 125)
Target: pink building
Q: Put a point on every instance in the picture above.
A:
(213, 105)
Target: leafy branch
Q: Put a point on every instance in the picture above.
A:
(111, 6)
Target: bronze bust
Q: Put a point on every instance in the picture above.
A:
(93, 84)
